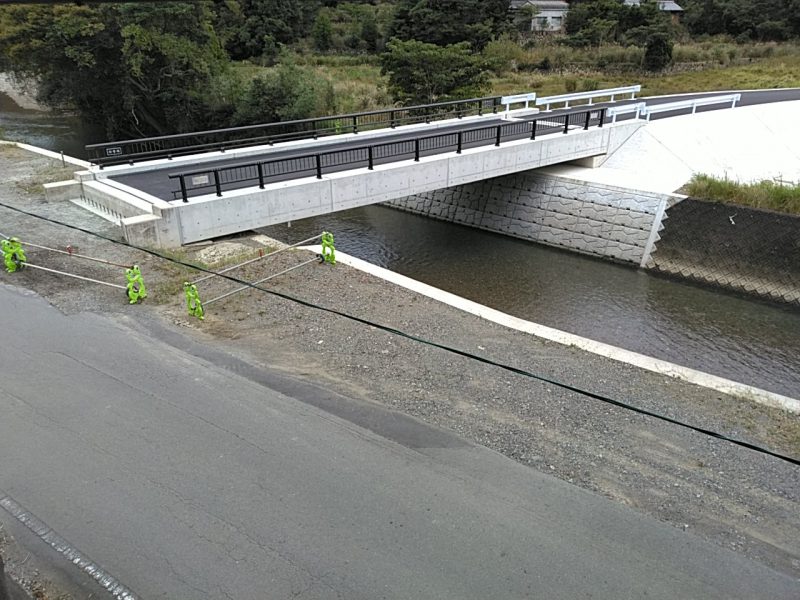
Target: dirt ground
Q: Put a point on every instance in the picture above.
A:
(736, 498)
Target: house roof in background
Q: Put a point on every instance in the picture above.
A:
(558, 4)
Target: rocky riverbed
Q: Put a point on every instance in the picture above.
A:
(737, 498)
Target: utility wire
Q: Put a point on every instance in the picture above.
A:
(398, 332)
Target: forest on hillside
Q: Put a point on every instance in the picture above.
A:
(164, 67)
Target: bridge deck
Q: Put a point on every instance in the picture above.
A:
(157, 183)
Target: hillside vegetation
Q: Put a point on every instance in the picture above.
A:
(158, 68)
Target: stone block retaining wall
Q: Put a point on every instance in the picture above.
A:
(597, 219)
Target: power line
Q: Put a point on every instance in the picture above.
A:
(398, 332)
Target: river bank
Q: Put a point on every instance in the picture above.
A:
(24, 95)
(734, 497)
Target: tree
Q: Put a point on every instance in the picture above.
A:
(421, 73)
(444, 22)
(743, 19)
(264, 25)
(285, 93)
(369, 32)
(322, 32)
(131, 69)
(657, 52)
(597, 22)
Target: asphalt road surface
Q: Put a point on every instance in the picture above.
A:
(157, 183)
(186, 480)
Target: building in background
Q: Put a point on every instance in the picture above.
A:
(547, 16)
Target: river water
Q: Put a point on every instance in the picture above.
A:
(54, 131)
(734, 337)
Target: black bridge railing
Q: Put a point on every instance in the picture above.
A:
(217, 180)
(168, 146)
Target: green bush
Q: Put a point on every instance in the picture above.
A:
(504, 55)
(285, 93)
(589, 85)
(570, 84)
(658, 52)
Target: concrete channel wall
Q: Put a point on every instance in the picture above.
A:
(756, 252)
(591, 218)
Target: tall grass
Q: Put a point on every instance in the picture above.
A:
(766, 194)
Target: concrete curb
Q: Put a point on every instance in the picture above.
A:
(648, 363)
(48, 153)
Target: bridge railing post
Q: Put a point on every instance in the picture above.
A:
(355, 124)
(184, 195)
(602, 116)
(416, 149)
(392, 122)
(497, 137)
(260, 167)
(586, 120)
(319, 165)
(370, 162)
(566, 123)
(460, 141)
(217, 183)
(533, 129)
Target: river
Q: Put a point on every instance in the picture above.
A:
(746, 340)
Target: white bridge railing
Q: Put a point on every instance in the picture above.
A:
(611, 93)
(637, 109)
(731, 99)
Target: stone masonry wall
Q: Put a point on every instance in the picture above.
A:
(742, 249)
(591, 218)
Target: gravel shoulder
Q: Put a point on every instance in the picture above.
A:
(734, 497)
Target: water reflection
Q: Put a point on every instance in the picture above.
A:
(723, 334)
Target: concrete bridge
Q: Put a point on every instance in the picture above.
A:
(477, 166)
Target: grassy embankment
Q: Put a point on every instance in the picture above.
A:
(767, 194)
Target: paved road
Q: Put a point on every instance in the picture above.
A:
(157, 182)
(186, 480)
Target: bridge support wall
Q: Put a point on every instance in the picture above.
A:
(598, 219)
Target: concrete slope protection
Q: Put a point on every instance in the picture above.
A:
(747, 143)
(184, 480)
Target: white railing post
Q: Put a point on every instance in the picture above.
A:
(507, 101)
